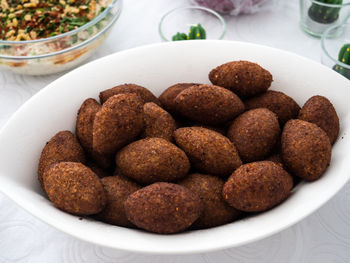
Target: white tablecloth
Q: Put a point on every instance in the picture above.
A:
(323, 237)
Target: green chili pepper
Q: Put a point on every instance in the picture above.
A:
(197, 32)
(324, 14)
(179, 36)
(344, 56)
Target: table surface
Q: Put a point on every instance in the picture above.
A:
(323, 237)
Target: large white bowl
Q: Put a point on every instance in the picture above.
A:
(157, 67)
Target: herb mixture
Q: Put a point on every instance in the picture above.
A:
(34, 19)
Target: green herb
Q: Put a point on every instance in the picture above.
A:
(5, 47)
(75, 21)
(27, 29)
(80, 23)
(195, 32)
(99, 25)
(53, 34)
(41, 32)
(90, 30)
(74, 39)
(61, 29)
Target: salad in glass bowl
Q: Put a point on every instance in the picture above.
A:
(40, 37)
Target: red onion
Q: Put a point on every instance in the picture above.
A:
(221, 6)
(233, 7)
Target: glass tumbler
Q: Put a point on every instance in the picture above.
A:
(336, 51)
(316, 16)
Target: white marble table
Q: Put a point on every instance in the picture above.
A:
(323, 237)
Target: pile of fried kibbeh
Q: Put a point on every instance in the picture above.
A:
(197, 157)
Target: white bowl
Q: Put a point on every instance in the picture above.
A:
(157, 67)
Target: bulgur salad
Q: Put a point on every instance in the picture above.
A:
(35, 19)
(32, 33)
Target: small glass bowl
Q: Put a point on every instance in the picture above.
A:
(316, 17)
(331, 47)
(181, 19)
(62, 52)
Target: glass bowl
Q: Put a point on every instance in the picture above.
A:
(62, 52)
(316, 17)
(331, 47)
(181, 19)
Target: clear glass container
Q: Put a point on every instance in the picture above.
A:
(316, 16)
(61, 52)
(331, 47)
(181, 19)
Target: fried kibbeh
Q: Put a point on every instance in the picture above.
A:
(208, 104)
(209, 151)
(216, 211)
(257, 186)
(306, 149)
(118, 189)
(74, 188)
(105, 161)
(63, 147)
(163, 208)
(84, 130)
(145, 94)
(85, 121)
(158, 122)
(320, 111)
(277, 159)
(152, 160)
(197, 157)
(220, 129)
(244, 78)
(167, 98)
(117, 123)
(254, 133)
(99, 171)
(279, 103)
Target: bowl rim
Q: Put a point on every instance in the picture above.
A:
(197, 7)
(57, 37)
(326, 35)
(329, 5)
(10, 188)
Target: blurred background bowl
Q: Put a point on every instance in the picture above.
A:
(317, 16)
(331, 47)
(61, 52)
(181, 19)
